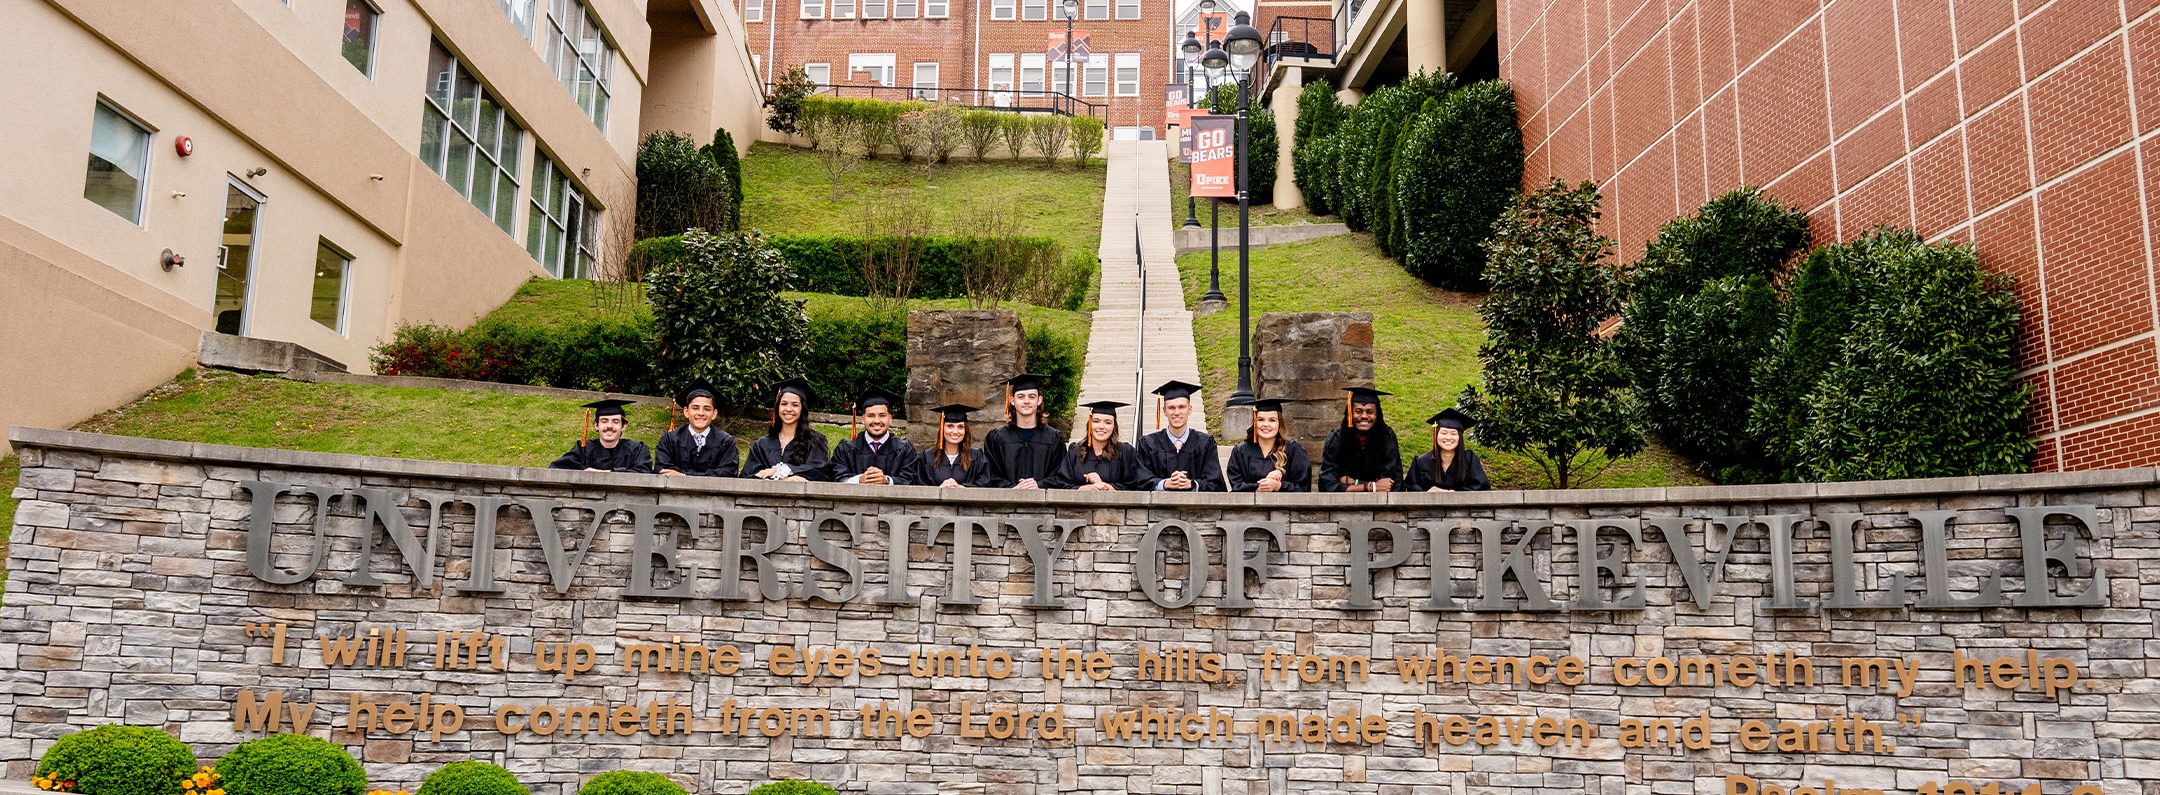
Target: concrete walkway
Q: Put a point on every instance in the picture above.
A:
(1142, 333)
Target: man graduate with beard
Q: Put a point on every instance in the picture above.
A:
(698, 448)
(1181, 457)
(1026, 451)
(1362, 455)
(611, 452)
(876, 456)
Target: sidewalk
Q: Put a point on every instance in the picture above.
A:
(1142, 333)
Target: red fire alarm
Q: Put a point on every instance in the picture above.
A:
(184, 145)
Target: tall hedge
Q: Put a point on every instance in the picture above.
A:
(1812, 324)
(833, 264)
(679, 187)
(1360, 139)
(1925, 382)
(1260, 132)
(1460, 165)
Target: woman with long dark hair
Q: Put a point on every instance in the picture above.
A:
(950, 462)
(1099, 462)
(1267, 461)
(790, 448)
(1449, 465)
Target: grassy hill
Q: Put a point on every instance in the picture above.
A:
(1425, 342)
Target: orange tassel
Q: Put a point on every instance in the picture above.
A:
(1158, 413)
(1346, 409)
(671, 419)
(1008, 401)
(587, 433)
(852, 414)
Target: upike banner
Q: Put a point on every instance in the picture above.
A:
(1054, 50)
(1213, 157)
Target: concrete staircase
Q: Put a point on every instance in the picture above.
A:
(1142, 333)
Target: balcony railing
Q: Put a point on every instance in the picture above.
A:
(1302, 37)
(988, 99)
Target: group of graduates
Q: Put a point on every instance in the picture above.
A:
(1027, 453)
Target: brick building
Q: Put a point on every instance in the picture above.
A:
(985, 52)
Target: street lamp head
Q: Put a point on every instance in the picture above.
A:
(1207, 6)
(1191, 46)
(1070, 7)
(1215, 57)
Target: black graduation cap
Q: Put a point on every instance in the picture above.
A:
(797, 385)
(1269, 403)
(1105, 406)
(611, 407)
(1026, 381)
(1365, 394)
(874, 396)
(955, 412)
(1451, 418)
(698, 387)
(1172, 390)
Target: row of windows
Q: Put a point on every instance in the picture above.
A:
(1093, 78)
(469, 138)
(1000, 10)
(1039, 10)
(117, 179)
(574, 47)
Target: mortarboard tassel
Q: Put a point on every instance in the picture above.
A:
(1008, 401)
(671, 419)
(587, 432)
(1346, 409)
(852, 413)
(1158, 412)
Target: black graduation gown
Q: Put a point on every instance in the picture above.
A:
(1197, 460)
(1009, 460)
(1124, 472)
(1248, 467)
(628, 455)
(1341, 458)
(937, 471)
(1468, 473)
(898, 457)
(678, 451)
(812, 465)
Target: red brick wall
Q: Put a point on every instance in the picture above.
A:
(785, 39)
(2025, 127)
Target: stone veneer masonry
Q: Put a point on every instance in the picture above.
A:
(129, 598)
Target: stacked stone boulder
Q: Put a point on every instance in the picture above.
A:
(1308, 357)
(961, 356)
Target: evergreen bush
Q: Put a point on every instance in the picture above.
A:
(1458, 169)
(1059, 356)
(1359, 143)
(852, 349)
(291, 764)
(784, 103)
(1812, 323)
(1319, 113)
(680, 187)
(117, 760)
(1087, 138)
(631, 782)
(722, 151)
(472, 777)
(718, 314)
(794, 787)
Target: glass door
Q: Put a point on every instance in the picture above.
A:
(236, 257)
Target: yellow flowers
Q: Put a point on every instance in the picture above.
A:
(387, 792)
(204, 782)
(53, 784)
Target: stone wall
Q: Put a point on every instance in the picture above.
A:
(961, 356)
(1308, 357)
(133, 595)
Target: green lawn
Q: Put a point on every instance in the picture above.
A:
(1425, 343)
(1257, 215)
(786, 191)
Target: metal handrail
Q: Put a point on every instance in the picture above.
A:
(1057, 102)
(1302, 37)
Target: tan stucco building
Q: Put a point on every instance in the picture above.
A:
(320, 171)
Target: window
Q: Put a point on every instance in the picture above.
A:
(753, 10)
(552, 231)
(588, 243)
(873, 9)
(926, 82)
(879, 65)
(1098, 9)
(579, 53)
(1031, 73)
(937, 9)
(904, 9)
(333, 276)
(757, 67)
(1128, 9)
(1001, 79)
(467, 137)
(813, 9)
(1059, 84)
(999, 9)
(1034, 10)
(520, 13)
(1128, 74)
(843, 9)
(819, 74)
(359, 41)
(1097, 74)
(119, 161)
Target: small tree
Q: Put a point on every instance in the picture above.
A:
(722, 151)
(718, 314)
(1552, 387)
(784, 104)
(893, 233)
(834, 136)
(679, 187)
(1013, 130)
(1049, 134)
(1087, 138)
(980, 129)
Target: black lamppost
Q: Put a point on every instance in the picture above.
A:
(1190, 48)
(1212, 60)
(1242, 47)
(1072, 9)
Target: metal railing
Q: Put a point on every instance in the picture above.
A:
(1056, 102)
(1302, 37)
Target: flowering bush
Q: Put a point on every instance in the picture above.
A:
(116, 760)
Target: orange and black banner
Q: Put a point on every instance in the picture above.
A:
(1211, 151)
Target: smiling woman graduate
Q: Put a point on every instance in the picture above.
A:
(790, 448)
(1362, 454)
(1449, 465)
(950, 463)
(1100, 462)
(610, 452)
(1266, 461)
(877, 456)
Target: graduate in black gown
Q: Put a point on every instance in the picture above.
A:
(1025, 452)
(1099, 462)
(1266, 461)
(699, 448)
(790, 448)
(877, 456)
(949, 462)
(1182, 457)
(1449, 465)
(610, 452)
(1362, 454)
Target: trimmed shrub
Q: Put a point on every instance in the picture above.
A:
(1353, 190)
(980, 129)
(1060, 357)
(680, 187)
(118, 760)
(1260, 131)
(603, 354)
(784, 104)
(1925, 383)
(1319, 113)
(291, 764)
(1087, 138)
(794, 787)
(833, 263)
(851, 349)
(722, 152)
(472, 777)
(1013, 133)
(1049, 134)
(1458, 168)
(1386, 221)
(631, 782)
(1812, 324)
(718, 314)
